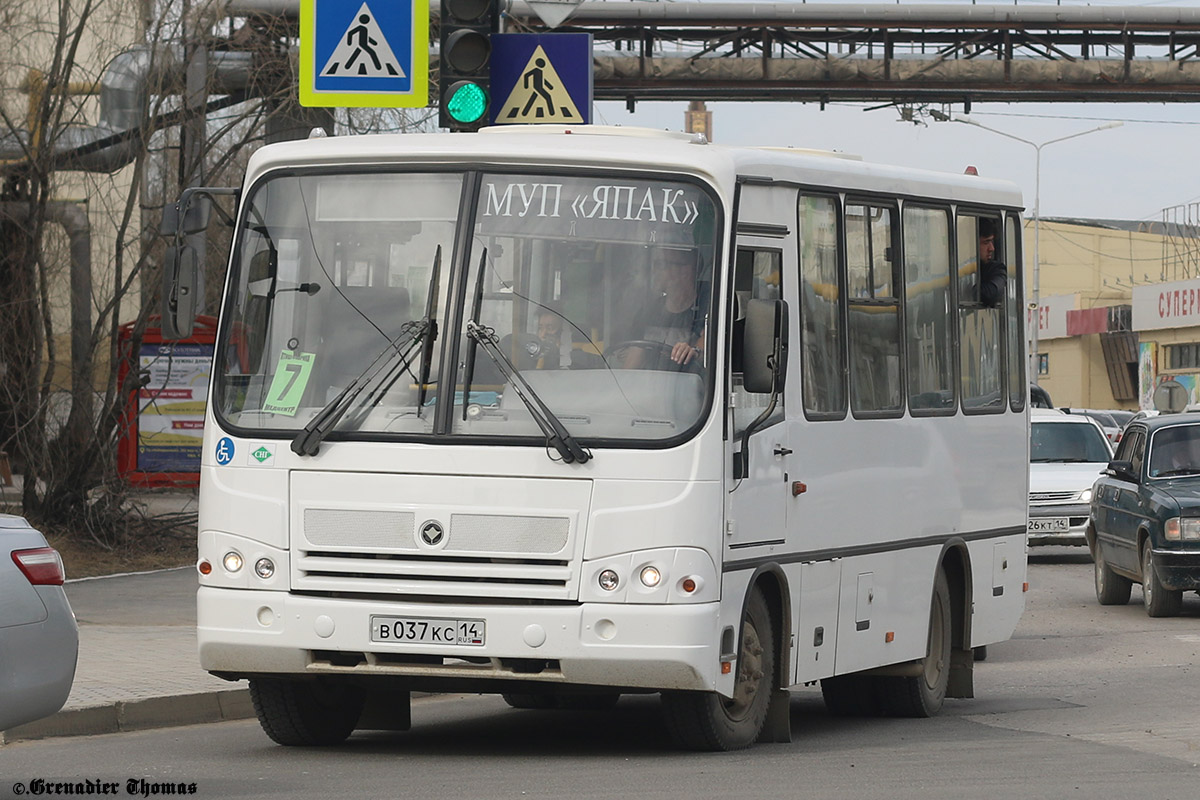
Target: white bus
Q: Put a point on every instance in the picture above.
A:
(563, 414)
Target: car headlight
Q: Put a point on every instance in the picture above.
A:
(1085, 496)
(1177, 529)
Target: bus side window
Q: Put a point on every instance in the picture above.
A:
(980, 347)
(874, 310)
(1014, 315)
(929, 317)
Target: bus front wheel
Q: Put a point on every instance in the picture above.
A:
(306, 712)
(707, 721)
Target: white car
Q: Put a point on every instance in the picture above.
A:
(1112, 422)
(1067, 452)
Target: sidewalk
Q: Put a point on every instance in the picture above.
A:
(138, 666)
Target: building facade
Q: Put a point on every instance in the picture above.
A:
(1114, 320)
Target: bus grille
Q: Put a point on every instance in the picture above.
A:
(381, 552)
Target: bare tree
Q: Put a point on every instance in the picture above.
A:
(84, 184)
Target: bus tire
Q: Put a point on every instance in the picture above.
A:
(306, 713)
(923, 695)
(1111, 589)
(1159, 600)
(708, 721)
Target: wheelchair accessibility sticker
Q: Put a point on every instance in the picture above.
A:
(225, 451)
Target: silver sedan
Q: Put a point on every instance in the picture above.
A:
(39, 639)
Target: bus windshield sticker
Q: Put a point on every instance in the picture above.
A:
(647, 211)
(287, 387)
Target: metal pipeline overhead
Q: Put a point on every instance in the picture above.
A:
(702, 12)
(124, 92)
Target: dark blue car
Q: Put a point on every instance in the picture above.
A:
(1144, 525)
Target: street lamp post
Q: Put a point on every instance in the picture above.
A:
(1037, 216)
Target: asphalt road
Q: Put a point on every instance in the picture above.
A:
(1085, 701)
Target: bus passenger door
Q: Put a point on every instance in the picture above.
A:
(757, 500)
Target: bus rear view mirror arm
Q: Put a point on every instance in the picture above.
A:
(186, 217)
(181, 291)
(764, 359)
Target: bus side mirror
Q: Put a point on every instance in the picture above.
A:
(186, 218)
(183, 273)
(181, 291)
(764, 346)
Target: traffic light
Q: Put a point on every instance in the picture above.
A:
(465, 62)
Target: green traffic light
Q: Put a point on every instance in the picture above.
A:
(468, 102)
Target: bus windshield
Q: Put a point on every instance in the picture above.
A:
(595, 291)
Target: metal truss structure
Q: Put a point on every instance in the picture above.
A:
(888, 53)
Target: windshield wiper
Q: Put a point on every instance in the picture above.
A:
(308, 441)
(395, 359)
(556, 433)
(476, 309)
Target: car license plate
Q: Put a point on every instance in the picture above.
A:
(1049, 525)
(423, 630)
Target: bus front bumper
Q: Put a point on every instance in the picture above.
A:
(243, 633)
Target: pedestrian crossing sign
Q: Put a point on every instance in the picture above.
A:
(364, 53)
(541, 78)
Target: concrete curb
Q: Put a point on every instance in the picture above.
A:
(135, 715)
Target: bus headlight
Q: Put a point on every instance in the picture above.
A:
(661, 575)
(232, 561)
(650, 576)
(264, 568)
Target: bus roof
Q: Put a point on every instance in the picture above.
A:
(635, 148)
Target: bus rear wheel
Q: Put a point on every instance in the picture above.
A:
(922, 695)
(707, 721)
(306, 713)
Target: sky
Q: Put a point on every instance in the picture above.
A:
(1133, 172)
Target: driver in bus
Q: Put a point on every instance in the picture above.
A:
(676, 317)
(992, 272)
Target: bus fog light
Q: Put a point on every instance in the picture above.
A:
(264, 568)
(606, 629)
(651, 576)
(232, 561)
(609, 580)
